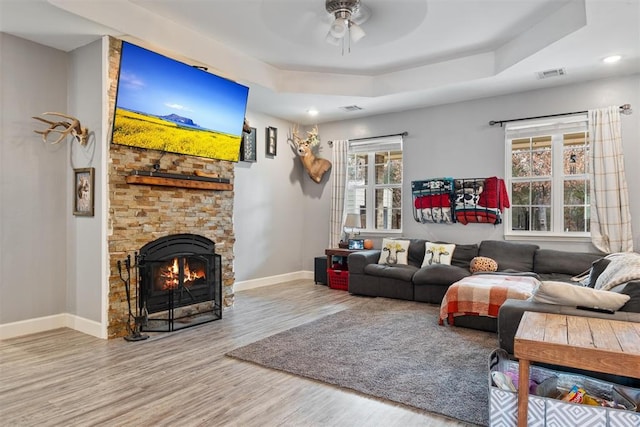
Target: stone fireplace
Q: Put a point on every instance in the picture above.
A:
(140, 213)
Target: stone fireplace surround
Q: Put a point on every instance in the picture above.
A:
(138, 214)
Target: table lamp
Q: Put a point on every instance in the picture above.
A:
(353, 222)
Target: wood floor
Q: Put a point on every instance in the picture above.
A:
(66, 378)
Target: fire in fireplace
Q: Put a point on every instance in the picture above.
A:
(180, 282)
(169, 276)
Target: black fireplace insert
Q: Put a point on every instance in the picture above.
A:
(180, 282)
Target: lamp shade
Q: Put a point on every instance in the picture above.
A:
(352, 220)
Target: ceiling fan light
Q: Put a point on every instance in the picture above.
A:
(357, 32)
(332, 40)
(338, 28)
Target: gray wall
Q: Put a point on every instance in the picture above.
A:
(269, 205)
(33, 179)
(86, 245)
(456, 140)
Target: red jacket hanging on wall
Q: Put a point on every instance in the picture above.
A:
(494, 194)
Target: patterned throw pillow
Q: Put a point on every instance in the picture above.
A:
(394, 252)
(438, 253)
(483, 263)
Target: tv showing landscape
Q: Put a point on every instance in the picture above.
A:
(163, 104)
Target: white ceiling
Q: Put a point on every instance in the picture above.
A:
(416, 52)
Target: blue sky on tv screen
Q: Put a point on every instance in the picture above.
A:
(154, 84)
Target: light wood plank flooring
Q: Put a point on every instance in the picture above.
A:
(66, 378)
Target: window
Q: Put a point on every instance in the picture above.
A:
(374, 183)
(548, 177)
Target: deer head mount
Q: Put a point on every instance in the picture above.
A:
(63, 128)
(315, 166)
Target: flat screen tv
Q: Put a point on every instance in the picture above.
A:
(167, 105)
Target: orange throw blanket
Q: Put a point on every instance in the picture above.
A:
(483, 294)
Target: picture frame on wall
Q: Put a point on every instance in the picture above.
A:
(83, 190)
(248, 152)
(271, 141)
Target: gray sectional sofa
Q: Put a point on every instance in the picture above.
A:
(429, 284)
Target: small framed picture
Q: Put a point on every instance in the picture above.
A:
(248, 144)
(83, 189)
(271, 141)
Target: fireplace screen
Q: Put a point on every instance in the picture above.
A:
(180, 282)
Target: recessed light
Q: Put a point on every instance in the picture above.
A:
(312, 112)
(612, 59)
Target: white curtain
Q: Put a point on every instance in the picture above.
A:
(610, 213)
(339, 174)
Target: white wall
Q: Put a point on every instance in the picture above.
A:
(456, 140)
(33, 183)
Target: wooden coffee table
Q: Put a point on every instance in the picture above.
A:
(599, 345)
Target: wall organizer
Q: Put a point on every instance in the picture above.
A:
(462, 200)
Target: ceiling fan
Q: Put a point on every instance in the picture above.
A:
(345, 28)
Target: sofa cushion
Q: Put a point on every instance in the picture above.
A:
(439, 274)
(400, 272)
(437, 253)
(561, 293)
(509, 255)
(633, 290)
(563, 262)
(416, 251)
(463, 254)
(394, 252)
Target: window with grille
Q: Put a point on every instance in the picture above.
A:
(374, 183)
(547, 173)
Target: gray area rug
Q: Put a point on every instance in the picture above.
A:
(388, 349)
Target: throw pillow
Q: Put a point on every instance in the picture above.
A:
(438, 253)
(597, 268)
(394, 252)
(561, 293)
(483, 263)
(633, 290)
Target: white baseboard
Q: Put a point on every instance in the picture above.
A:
(90, 327)
(271, 280)
(47, 323)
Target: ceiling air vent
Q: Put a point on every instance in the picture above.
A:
(556, 72)
(350, 108)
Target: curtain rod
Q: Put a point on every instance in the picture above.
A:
(405, 133)
(624, 109)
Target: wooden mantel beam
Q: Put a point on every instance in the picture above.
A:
(188, 181)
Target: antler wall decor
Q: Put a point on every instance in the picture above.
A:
(64, 128)
(315, 166)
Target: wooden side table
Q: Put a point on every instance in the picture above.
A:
(600, 345)
(338, 252)
(338, 279)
